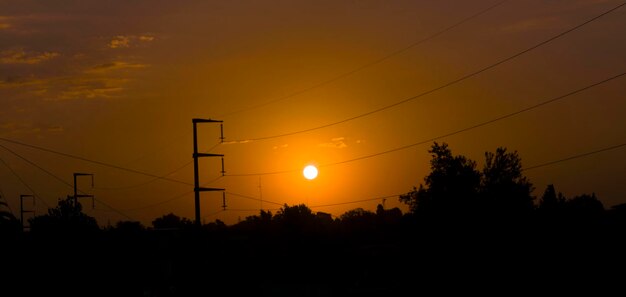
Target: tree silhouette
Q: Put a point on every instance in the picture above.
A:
(171, 221)
(551, 201)
(451, 188)
(9, 224)
(297, 218)
(551, 207)
(67, 216)
(506, 192)
(585, 209)
(388, 216)
(129, 227)
(358, 219)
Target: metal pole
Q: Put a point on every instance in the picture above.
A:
(196, 182)
(75, 192)
(22, 211)
(196, 177)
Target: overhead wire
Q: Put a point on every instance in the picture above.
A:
(159, 177)
(448, 84)
(502, 117)
(512, 114)
(371, 63)
(174, 198)
(371, 112)
(254, 198)
(356, 201)
(575, 157)
(60, 179)
(91, 161)
(37, 196)
(324, 126)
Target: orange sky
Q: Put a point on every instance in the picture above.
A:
(119, 83)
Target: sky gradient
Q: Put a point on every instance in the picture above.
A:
(118, 82)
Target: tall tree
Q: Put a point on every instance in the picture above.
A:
(9, 224)
(171, 221)
(585, 209)
(67, 216)
(451, 188)
(503, 186)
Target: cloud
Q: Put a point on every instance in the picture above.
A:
(84, 88)
(91, 84)
(22, 57)
(119, 41)
(15, 81)
(111, 66)
(337, 142)
(88, 92)
(5, 23)
(126, 41)
(280, 146)
(146, 38)
(7, 126)
(28, 128)
(55, 129)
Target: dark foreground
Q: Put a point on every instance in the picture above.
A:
(407, 262)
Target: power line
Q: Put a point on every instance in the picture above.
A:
(574, 157)
(481, 124)
(254, 198)
(356, 201)
(458, 80)
(24, 183)
(369, 64)
(264, 173)
(157, 178)
(454, 132)
(57, 178)
(147, 182)
(250, 209)
(176, 197)
(92, 161)
(114, 209)
(38, 167)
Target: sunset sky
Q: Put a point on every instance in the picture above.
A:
(350, 82)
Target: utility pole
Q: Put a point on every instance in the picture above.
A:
(22, 211)
(76, 195)
(196, 178)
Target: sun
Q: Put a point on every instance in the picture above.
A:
(310, 172)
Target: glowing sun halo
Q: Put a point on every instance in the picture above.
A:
(310, 172)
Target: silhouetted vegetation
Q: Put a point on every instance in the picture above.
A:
(9, 224)
(461, 220)
(66, 217)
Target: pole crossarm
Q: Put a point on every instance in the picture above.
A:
(76, 195)
(23, 211)
(207, 155)
(202, 189)
(196, 120)
(196, 155)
